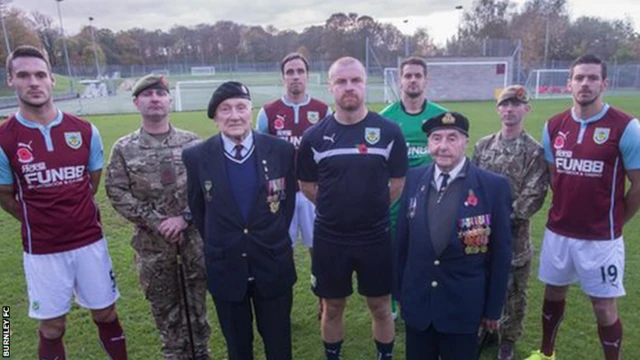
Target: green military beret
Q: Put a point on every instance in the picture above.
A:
(150, 81)
(514, 92)
(448, 120)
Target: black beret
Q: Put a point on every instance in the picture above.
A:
(227, 90)
(448, 120)
(150, 82)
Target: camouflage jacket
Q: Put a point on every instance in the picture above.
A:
(521, 160)
(146, 180)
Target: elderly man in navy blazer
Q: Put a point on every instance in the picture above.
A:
(241, 192)
(453, 248)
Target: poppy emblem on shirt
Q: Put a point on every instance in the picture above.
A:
(279, 122)
(372, 135)
(313, 116)
(24, 155)
(558, 143)
(601, 135)
(73, 139)
(362, 149)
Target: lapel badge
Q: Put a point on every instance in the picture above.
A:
(472, 199)
(413, 202)
(208, 185)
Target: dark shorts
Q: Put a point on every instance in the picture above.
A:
(333, 265)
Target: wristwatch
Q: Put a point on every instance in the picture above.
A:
(188, 217)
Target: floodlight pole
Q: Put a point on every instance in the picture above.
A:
(64, 45)
(546, 42)
(4, 29)
(406, 41)
(95, 51)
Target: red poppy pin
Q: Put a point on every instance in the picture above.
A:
(363, 149)
(472, 199)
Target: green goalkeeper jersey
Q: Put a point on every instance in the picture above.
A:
(411, 126)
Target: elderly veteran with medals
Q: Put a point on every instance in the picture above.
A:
(241, 192)
(453, 248)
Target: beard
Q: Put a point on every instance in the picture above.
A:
(587, 101)
(296, 89)
(350, 103)
(413, 94)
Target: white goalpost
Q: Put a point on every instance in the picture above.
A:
(456, 80)
(548, 83)
(203, 70)
(315, 79)
(194, 94)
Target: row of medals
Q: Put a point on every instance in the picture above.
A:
(475, 238)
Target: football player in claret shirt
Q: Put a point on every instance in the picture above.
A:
(591, 149)
(50, 165)
(287, 118)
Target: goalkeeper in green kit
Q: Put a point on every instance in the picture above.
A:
(409, 113)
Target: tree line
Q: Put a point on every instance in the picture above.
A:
(524, 28)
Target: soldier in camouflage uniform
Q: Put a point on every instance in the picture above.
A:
(146, 183)
(518, 156)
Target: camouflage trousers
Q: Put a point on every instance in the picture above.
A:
(160, 283)
(515, 308)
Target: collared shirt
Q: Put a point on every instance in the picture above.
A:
(230, 147)
(96, 155)
(453, 174)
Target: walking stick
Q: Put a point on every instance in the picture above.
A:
(183, 286)
(484, 338)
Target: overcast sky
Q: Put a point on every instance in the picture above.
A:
(438, 16)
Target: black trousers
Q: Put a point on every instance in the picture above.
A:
(431, 344)
(273, 318)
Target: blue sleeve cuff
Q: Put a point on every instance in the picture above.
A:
(546, 144)
(6, 176)
(96, 155)
(630, 145)
(262, 123)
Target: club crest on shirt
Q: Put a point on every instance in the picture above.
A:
(372, 135)
(601, 135)
(313, 116)
(73, 139)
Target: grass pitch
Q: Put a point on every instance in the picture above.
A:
(577, 338)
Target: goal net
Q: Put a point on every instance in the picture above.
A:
(456, 81)
(203, 70)
(194, 94)
(548, 83)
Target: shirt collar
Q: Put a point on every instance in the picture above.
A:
(594, 118)
(34, 125)
(229, 145)
(452, 174)
(304, 102)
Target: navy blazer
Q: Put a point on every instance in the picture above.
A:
(235, 249)
(455, 290)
